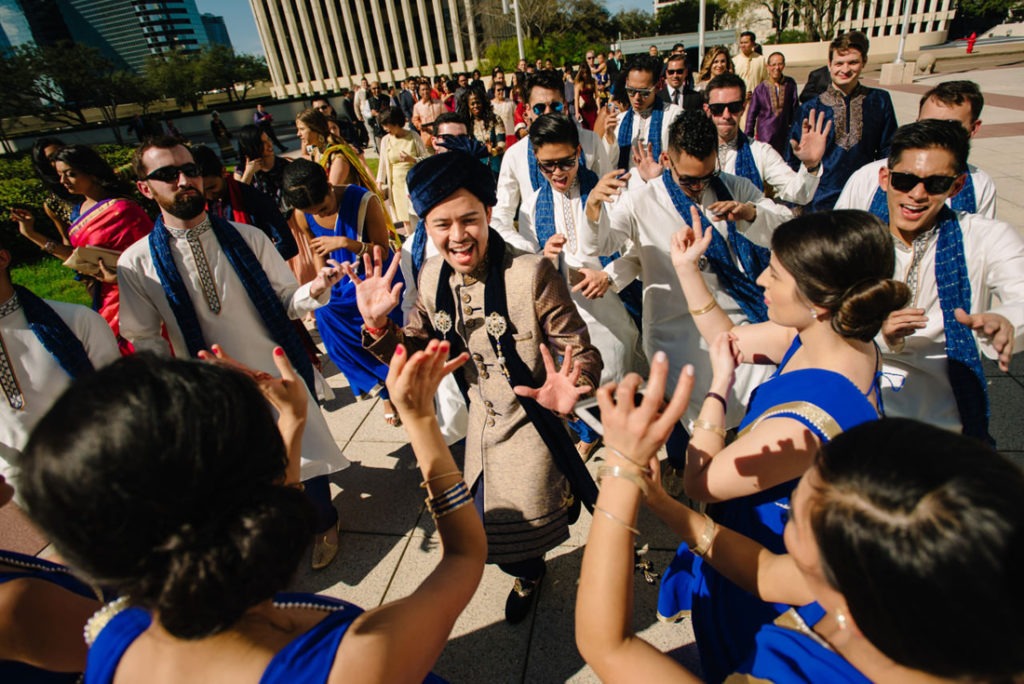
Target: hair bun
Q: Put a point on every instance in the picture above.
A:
(865, 306)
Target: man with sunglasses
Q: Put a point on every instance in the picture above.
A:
(863, 119)
(208, 281)
(756, 161)
(678, 88)
(954, 263)
(959, 101)
(641, 131)
(519, 175)
(645, 219)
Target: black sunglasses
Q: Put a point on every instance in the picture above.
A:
(719, 108)
(542, 108)
(675, 72)
(642, 92)
(933, 185)
(697, 183)
(549, 166)
(169, 174)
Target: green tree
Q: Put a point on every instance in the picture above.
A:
(250, 70)
(174, 75)
(18, 77)
(506, 54)
(587, 18)
(821, 17)
(633, 23)
(684, 16)
(987, 7)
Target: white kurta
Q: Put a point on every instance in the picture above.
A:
(238, 328)
(452, 413)
(514, 182)
(40, 377)
(611, 329)
(641, 131)
(995, 266)
(797, 187)
(647, 216)
(860, 189)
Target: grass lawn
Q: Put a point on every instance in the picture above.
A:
(50, 279)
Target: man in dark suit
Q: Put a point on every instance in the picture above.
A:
(817, 83)
(407, 98)
(676, 90)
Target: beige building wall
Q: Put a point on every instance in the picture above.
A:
(321, 46)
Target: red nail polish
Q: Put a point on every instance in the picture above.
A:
(399, 351)
(278, 351)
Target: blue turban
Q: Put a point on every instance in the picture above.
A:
(435, 178)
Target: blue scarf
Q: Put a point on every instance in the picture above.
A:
(54, 334)
(653, 133)
(745, 165)
(254, 280)
(738, 284)
(544, 215)
(966, 376)
(965, 200)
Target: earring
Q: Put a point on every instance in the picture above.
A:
(814, 314)
(841, 620)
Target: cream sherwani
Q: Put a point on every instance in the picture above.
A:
(611, 329)
(647, 217)
(238, 328)
(641, 131)
(860, 189)
(994, 251)
(797, 187)
(514, 183)
(39, 376)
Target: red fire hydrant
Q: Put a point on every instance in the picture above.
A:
(971, 40)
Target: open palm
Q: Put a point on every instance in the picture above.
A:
(376, 297)
(559, 392)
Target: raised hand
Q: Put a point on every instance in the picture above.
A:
(325, 278)
(553, 247)
(813, 140)
(725, 356)
(609, 187)
(559, 391)
(637, 432)
(412, 381)
(287, 393)
(376, 297)
(647, 164)
(993, 328)
(689, 244)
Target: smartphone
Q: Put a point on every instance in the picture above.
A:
(586, 410)
(613, 107)
(309, 149)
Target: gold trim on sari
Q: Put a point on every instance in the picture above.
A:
(812, 413)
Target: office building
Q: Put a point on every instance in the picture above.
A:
(216, 30)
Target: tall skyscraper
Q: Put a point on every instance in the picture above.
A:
(216, 30)
(128, 31)
(30, 22)
(316, 46)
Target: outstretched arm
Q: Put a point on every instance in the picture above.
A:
(417, 626)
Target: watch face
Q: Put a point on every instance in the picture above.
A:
(702, 263)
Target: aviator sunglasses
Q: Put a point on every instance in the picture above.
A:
(542, 108)
(169, 174)
(933, 185)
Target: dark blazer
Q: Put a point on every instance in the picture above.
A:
(691, 98)
(817, 83)
(406, 101)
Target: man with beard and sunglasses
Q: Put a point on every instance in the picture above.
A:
(210, 282)
(648, 216)
(519, 175)
(756, 161)
(954, 263)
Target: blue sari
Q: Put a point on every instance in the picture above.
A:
(725, 617)
(339, 322)
(788, 651)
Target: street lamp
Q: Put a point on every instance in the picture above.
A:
(519, 24)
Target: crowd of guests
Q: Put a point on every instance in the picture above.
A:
(808, 288)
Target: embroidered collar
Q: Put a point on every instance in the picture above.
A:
(478, 274)
(833, 95)
(920, 240)
(644, 115)
(10, 306)
(731, 145)
(178, 233)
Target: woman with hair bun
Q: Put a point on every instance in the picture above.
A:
(828, 288)
(168, 481)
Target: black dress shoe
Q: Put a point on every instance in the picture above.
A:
(517, 605)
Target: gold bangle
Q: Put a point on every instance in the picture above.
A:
(423, 485)
(704, 309)
(644, 469)
(615, 518)
(624, 474)
(710, 427)
(707, 537)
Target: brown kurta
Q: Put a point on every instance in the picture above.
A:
(525, 498)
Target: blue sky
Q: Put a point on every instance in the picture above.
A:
(242, 25)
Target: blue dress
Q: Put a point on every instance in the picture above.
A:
(308, 658)
(788, 651)
(339, 322)
(725, 617)
(39, 569)
(863, 124)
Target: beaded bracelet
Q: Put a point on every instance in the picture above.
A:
(643, 468)
(707, 537)
(375, 332)
(449, 500)
(622, 473)
(615, 518)
(710, 427)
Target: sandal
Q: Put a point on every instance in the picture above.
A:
(587, 449)
(325, 550)
(391, 416)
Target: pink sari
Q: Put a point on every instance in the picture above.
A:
(114, 224)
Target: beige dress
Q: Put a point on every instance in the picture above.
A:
(526, 498)
(393, 170)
